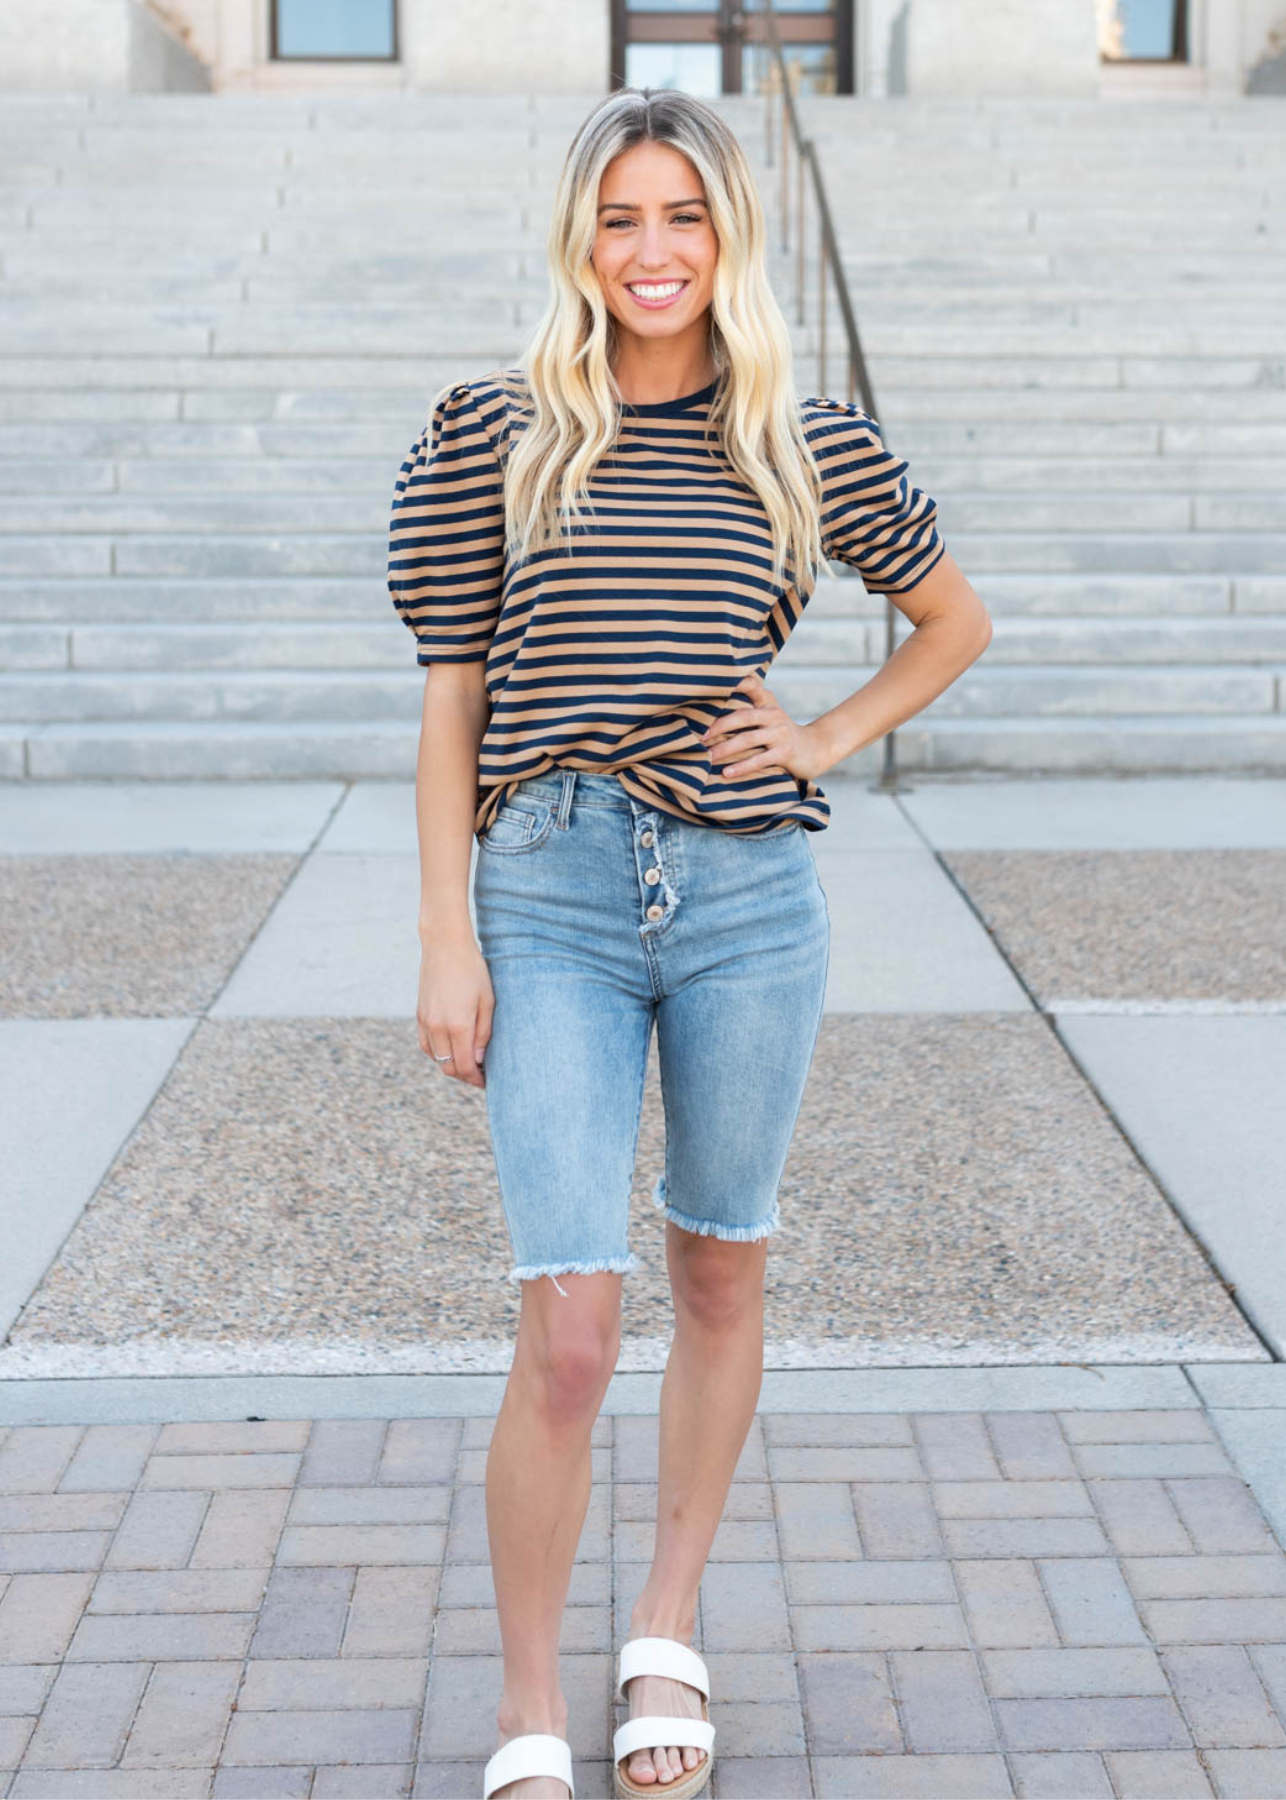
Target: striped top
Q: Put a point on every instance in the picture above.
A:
(614, 655)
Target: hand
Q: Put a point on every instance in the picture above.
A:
(455, 1007)
(762, 738)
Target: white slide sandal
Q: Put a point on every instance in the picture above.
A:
(651, 1731)
(531, 1753)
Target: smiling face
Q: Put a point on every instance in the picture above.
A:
(655, 248)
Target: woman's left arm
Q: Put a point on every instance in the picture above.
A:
(952, 629)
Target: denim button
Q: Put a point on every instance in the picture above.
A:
(646, 839)
(656, 912)
(651, 876)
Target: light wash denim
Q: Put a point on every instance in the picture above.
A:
(597, 914)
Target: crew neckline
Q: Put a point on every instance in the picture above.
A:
(662, 408)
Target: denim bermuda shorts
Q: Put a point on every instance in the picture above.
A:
(598, 914)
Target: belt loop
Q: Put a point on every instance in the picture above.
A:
(565, 798)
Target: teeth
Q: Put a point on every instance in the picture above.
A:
(649, 291)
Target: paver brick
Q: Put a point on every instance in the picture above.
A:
(422, 1452)
(112, 1784)
(1152, 1459)
(1140, 1517)
(864, 1582)
(33, 1457)
(1060, 1775)
(816, 1520)
(754, 1778)
(38, 1615)
(305, 1683)
(303, 1613)
(232, 1436)
(955, 1447)
(87, 1715)
(270, 1470)
(1029, 1446)
(158, 1531)
(342, 1452)
(897, 1519)
(61, 1512)
(392, 1612)
(1011, 1499)
(845, 1463)
(1090, 1601)
(1242, 1621)
(878, 1627)
(15, 1731)
(1064, 1673)
(329, 1546)
(942, 1700)
(1141, 1722)
(1164, 1425)
(963, 1775)
(743, 1607)
(32, 1552)
(253, 1783)
(356, 1735)
(108, 1457)
(819, 1430)
(373, 1781)
(770, 1729)
(241, 1529)
(1005, 1604)
(161, 1637)
(1257, 1773)
(1204, 1577)
(370, 1506)
(1158, 1775)
(1270, 1665)
(1221, 1514)
(1222, 1697)
(178, 1590)
(1024, 1537)
(24, 1688)
(183, 1716)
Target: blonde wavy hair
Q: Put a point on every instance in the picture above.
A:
(568, 361)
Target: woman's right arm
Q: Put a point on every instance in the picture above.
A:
(455, 998)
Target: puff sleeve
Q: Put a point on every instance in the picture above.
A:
(871, 515)
(447, 534)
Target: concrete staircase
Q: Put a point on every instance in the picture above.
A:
(221, 316)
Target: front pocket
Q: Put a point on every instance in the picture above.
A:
(517, 828)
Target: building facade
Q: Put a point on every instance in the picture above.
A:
(710, 47)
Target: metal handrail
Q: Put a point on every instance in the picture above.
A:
(785, 83)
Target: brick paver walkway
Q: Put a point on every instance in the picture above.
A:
(941, 1604)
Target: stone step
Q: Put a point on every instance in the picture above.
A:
(826, 637)
(387, 748)
(804, 688)
(103, 599)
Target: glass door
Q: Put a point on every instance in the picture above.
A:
(334, 30)
(713, 47)
(1143, 30)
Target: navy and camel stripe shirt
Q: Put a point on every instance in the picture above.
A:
(615, 654)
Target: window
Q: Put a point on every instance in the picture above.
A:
(1143, 30)
(334, 30)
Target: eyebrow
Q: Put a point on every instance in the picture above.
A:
(633, 205)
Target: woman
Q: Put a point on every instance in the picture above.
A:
(597, 553)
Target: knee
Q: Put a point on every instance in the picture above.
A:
(571, 1363)
(719, 1283)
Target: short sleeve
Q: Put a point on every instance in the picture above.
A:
(871, 515)
(447, 534)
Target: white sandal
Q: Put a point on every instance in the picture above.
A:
(532, 1753)
(651, 1731)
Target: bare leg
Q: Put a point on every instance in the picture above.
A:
(537, 1492)
(708, 1398)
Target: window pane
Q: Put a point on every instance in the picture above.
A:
(695, 68)
(334, 27)
(816, 64)
(785, 6)
(683, 6)
(1137, 28)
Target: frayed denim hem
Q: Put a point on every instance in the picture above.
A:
(733, 1234)
(616, 1265)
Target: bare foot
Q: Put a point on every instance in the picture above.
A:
(662, 1694)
